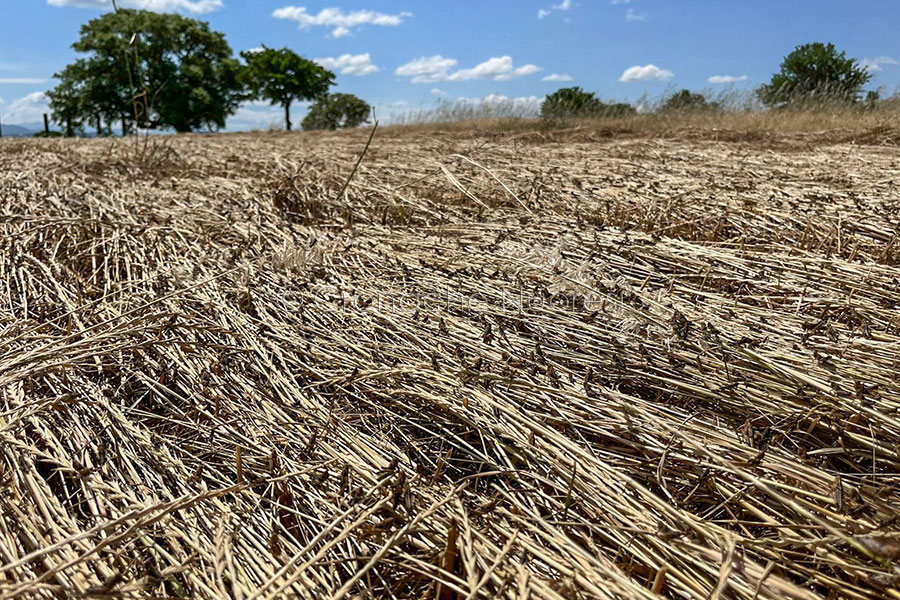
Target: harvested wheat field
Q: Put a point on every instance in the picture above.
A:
(549, 364)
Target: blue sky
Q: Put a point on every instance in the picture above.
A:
(406, 54)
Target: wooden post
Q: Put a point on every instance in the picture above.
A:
(46, 124)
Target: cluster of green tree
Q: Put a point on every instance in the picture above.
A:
(812, 74)
(164, 71)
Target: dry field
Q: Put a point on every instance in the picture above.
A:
(548, 364)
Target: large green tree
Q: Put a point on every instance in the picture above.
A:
(337, 111)
(814, 73)
(282, 77)
(152, 70)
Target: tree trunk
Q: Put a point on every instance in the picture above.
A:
(287, 116)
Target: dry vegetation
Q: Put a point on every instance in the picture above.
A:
(639, 367)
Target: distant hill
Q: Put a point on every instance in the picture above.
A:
(24, 129)
(18, 131)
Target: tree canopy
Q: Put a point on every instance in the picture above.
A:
(148, 69)
(575, 102)
(281, 76)
(337, 111)
(813, 73)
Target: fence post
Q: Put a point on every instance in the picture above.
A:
(46, 124)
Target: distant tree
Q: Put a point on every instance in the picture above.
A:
(570, 102)
(337, 111)
(872, 98)
(282, 77)
(149, 69)
(686, 100)
(575, 102)
(815, 72)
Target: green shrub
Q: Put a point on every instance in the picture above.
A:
(687, 101)
(575, 102)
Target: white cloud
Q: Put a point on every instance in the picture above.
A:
(564, 5)
(517, 72)
(646, 73)
(28, 109)
(431, 69)
(349, 64)
(343, 23)
(427, 69)
(874, 65)
(557, 77)
(434, 92)
(25, 80)
(633, 16)
(726, 78)
(192, 6)
(614, 2)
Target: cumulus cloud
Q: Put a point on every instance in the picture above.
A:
(646, 73)
(341, 22)
(28, 109)
(434, 92)
(349, 64)
(564, 5)
(557, 77)
(726, 78)
(191, 6)
(874, 65)
(25, 80)
(427, 69)
(633, 16)
(431, 69)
